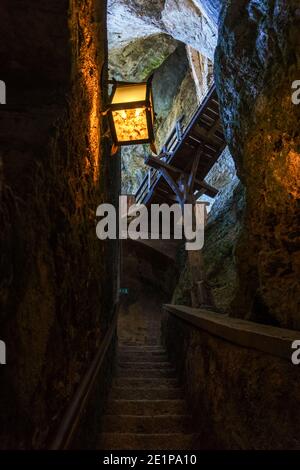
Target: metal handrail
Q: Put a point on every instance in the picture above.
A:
(71, 418)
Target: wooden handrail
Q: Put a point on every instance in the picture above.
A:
(265, 338)
(71, 417)
(173, 143)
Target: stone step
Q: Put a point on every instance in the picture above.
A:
(144, 365)
(154, 373)
(146, 393)
(142, 357)
(166, 424)
(131, 441)
(141, 382)
(146, 348)
(147, 407)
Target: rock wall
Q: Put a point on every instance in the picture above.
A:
(174, 94)
(184, 20)
(257, 59)
(202, 72)
(240, 398)
(140, 58)
(222, 232)
(223, 228)
(149, 275)
(57, 280)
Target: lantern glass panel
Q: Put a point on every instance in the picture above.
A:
(130, 93)
(131, 124)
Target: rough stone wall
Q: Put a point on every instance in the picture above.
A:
(202, 72)
(140, 58)
(174, 94)
(149, 275)
(240, 398)
(257, 60)
(222, 232)
(57, 289)
(224, 222)
(184, 20)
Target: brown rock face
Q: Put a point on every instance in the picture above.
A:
(257, 60)
(56, 288)
(240, 398)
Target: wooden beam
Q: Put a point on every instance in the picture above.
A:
(155, 162)
(194, 169)
(172, 185)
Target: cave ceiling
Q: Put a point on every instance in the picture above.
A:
(143, 34)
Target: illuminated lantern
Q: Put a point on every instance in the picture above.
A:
(131, 114)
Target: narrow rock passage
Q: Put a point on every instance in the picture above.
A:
(146, 409)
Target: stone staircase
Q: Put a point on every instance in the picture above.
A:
(146, 409)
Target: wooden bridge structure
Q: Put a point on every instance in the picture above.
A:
(178, 173)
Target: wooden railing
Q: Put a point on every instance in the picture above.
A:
(265, 338)
(174, 141)
(152, 175)
(71, 419)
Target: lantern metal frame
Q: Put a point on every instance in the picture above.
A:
(146, 104)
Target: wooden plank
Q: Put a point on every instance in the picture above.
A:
(194, 169)
(172, 185)
(156, 163)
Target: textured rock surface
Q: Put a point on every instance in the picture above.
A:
(202, 72)
(133, 167)
(222, 231)
(221, 235)
(141, 57)
(54, 173)
(174, 94)
(257, 60)
(181, 19)
(241, 398)
(211, 8)
(149, 275)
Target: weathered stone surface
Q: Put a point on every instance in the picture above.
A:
(141, 57)
(211, 8)
(221, 234)
(238, 395)
(58, 282)
(133, 167)
(181, 19)
(202, 72)
(257, 60)
(150, 276)
(222, 231)
(174, 94)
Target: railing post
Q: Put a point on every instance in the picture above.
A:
(179, 130)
